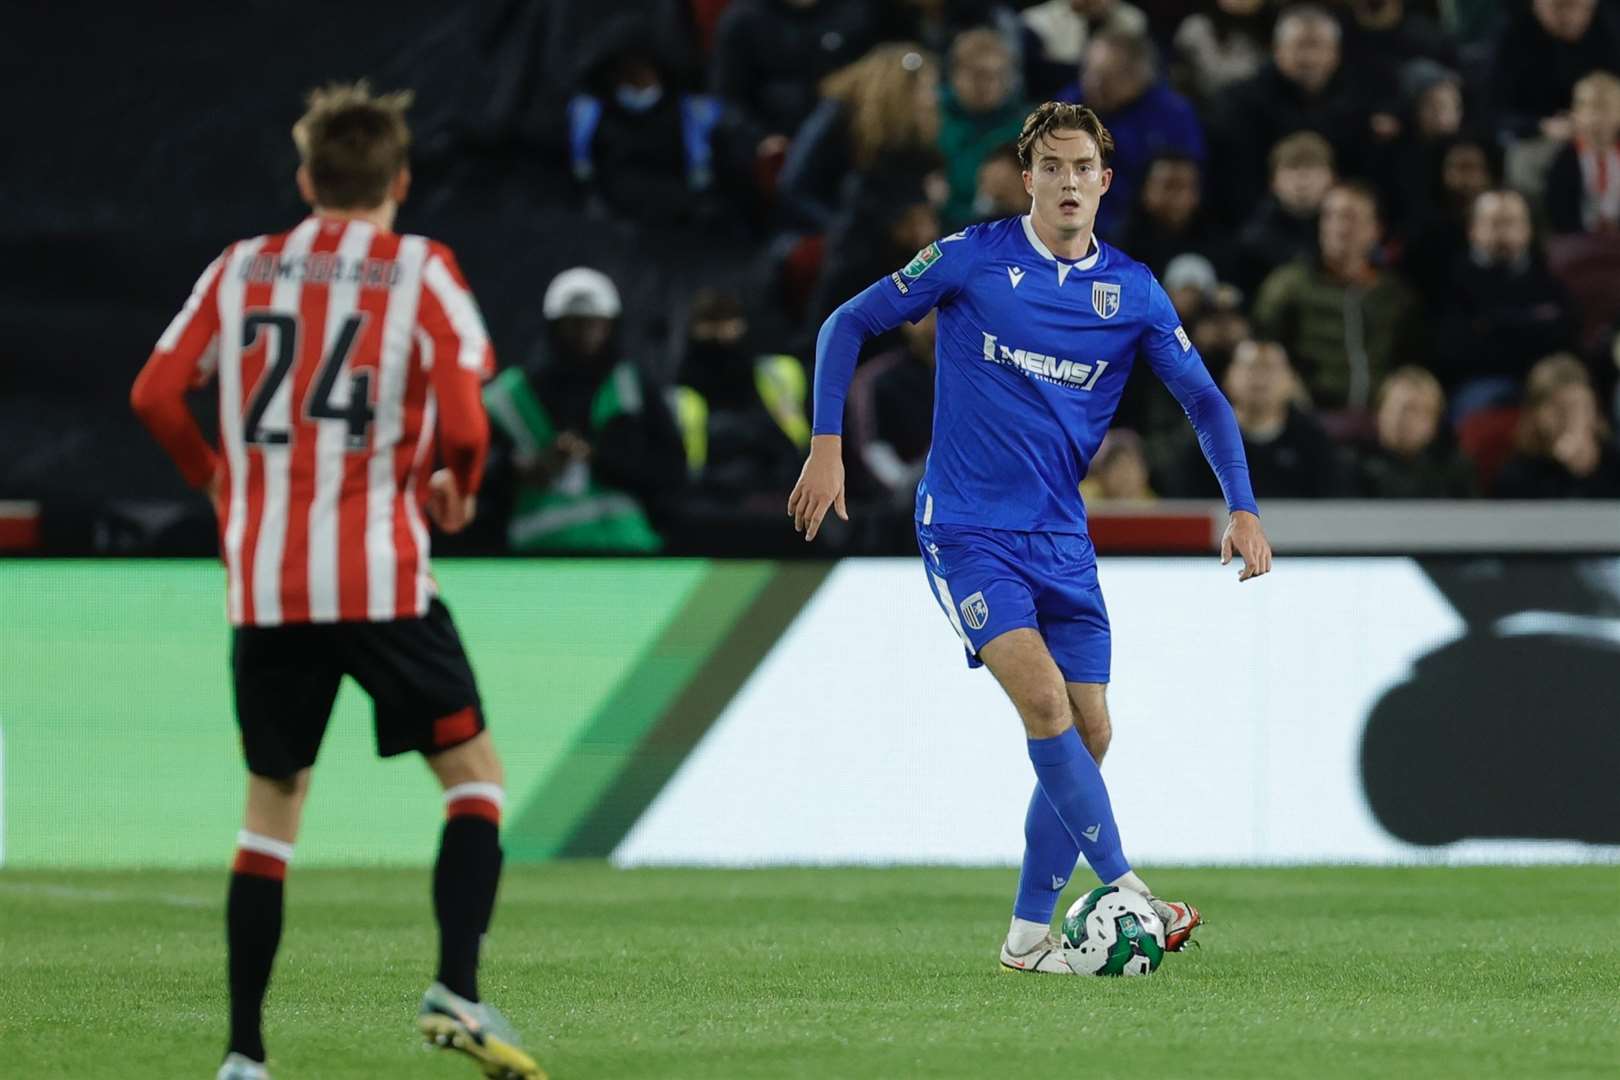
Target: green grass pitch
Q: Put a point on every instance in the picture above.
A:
(1317, 973)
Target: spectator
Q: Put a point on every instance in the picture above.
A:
(1000, 191)
(892, 414)
(1384, 36)
(1290, 457)
(1220, 327)
(1145, 405)
(1169, 218)
(1346, 320)
(1225, 45)
(883, 107)
(1190, 281)
(889, 218)
(1302, 88)
(770, 55)
(1564, 450)
(1119, 471)
(1539, 54)
(934, 24)
(1409, 458)
(1284, 226)
(1145, 117)
(1431, 116)
(1464, 168)
(1502, 310)
(741, 413)
(641, 149)
(1583, 188)
(585, 448)
(978, 112)
(1056, 33)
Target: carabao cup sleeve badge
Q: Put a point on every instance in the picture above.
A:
(925, 258)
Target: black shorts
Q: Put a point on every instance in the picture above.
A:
(423, 693)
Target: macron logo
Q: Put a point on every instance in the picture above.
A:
(1058, 883)
(1091, 833)
(1015, 275)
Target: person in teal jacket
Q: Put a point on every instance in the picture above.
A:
(979, 111)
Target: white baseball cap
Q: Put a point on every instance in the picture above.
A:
(581, 291)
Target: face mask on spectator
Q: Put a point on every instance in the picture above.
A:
(638, 99)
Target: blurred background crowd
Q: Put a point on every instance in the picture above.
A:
(1391, 227)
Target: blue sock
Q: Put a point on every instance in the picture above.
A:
(1049, 857)
(1073, 784)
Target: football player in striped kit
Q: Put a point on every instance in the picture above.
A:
(344, 354)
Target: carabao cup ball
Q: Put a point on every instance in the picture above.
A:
(1113, 931)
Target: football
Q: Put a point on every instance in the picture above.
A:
(1113, 931)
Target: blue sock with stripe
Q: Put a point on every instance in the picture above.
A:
(1049, 857)
(1073, 785)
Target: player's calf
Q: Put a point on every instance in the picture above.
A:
(468, 868)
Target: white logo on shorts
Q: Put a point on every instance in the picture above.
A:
(975, 612)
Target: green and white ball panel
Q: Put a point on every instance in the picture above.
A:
(1113, 931)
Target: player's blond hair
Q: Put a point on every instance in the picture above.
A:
(880, 92)
(353, 143)
(1060, 116)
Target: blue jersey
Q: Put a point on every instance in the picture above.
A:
(1032, 355)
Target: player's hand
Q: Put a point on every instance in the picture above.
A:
(450, 510)
(1245, 536)
(821, 485)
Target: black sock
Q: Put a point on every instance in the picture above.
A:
(253, 930)
(464, 881)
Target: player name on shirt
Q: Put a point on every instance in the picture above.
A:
(321, 268)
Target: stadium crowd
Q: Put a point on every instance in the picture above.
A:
(1392, 228)
(1393, 231)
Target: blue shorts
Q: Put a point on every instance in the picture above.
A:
(990, 581)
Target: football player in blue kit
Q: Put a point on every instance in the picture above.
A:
(1039, 324)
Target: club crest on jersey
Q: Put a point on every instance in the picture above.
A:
(1104, 299)
(925, 258)
(975, 612)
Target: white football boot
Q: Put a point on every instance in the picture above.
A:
(237, 1067)
(1045, 958)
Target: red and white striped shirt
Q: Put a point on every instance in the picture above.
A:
(341, 350)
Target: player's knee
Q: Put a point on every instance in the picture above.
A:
(293, 787)
(1045, 715)
(472, 762)
(1097, 734)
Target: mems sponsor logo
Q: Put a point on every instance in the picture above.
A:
(1052, 369)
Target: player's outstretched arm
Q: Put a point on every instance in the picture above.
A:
(928, 280)
(1171, 355)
